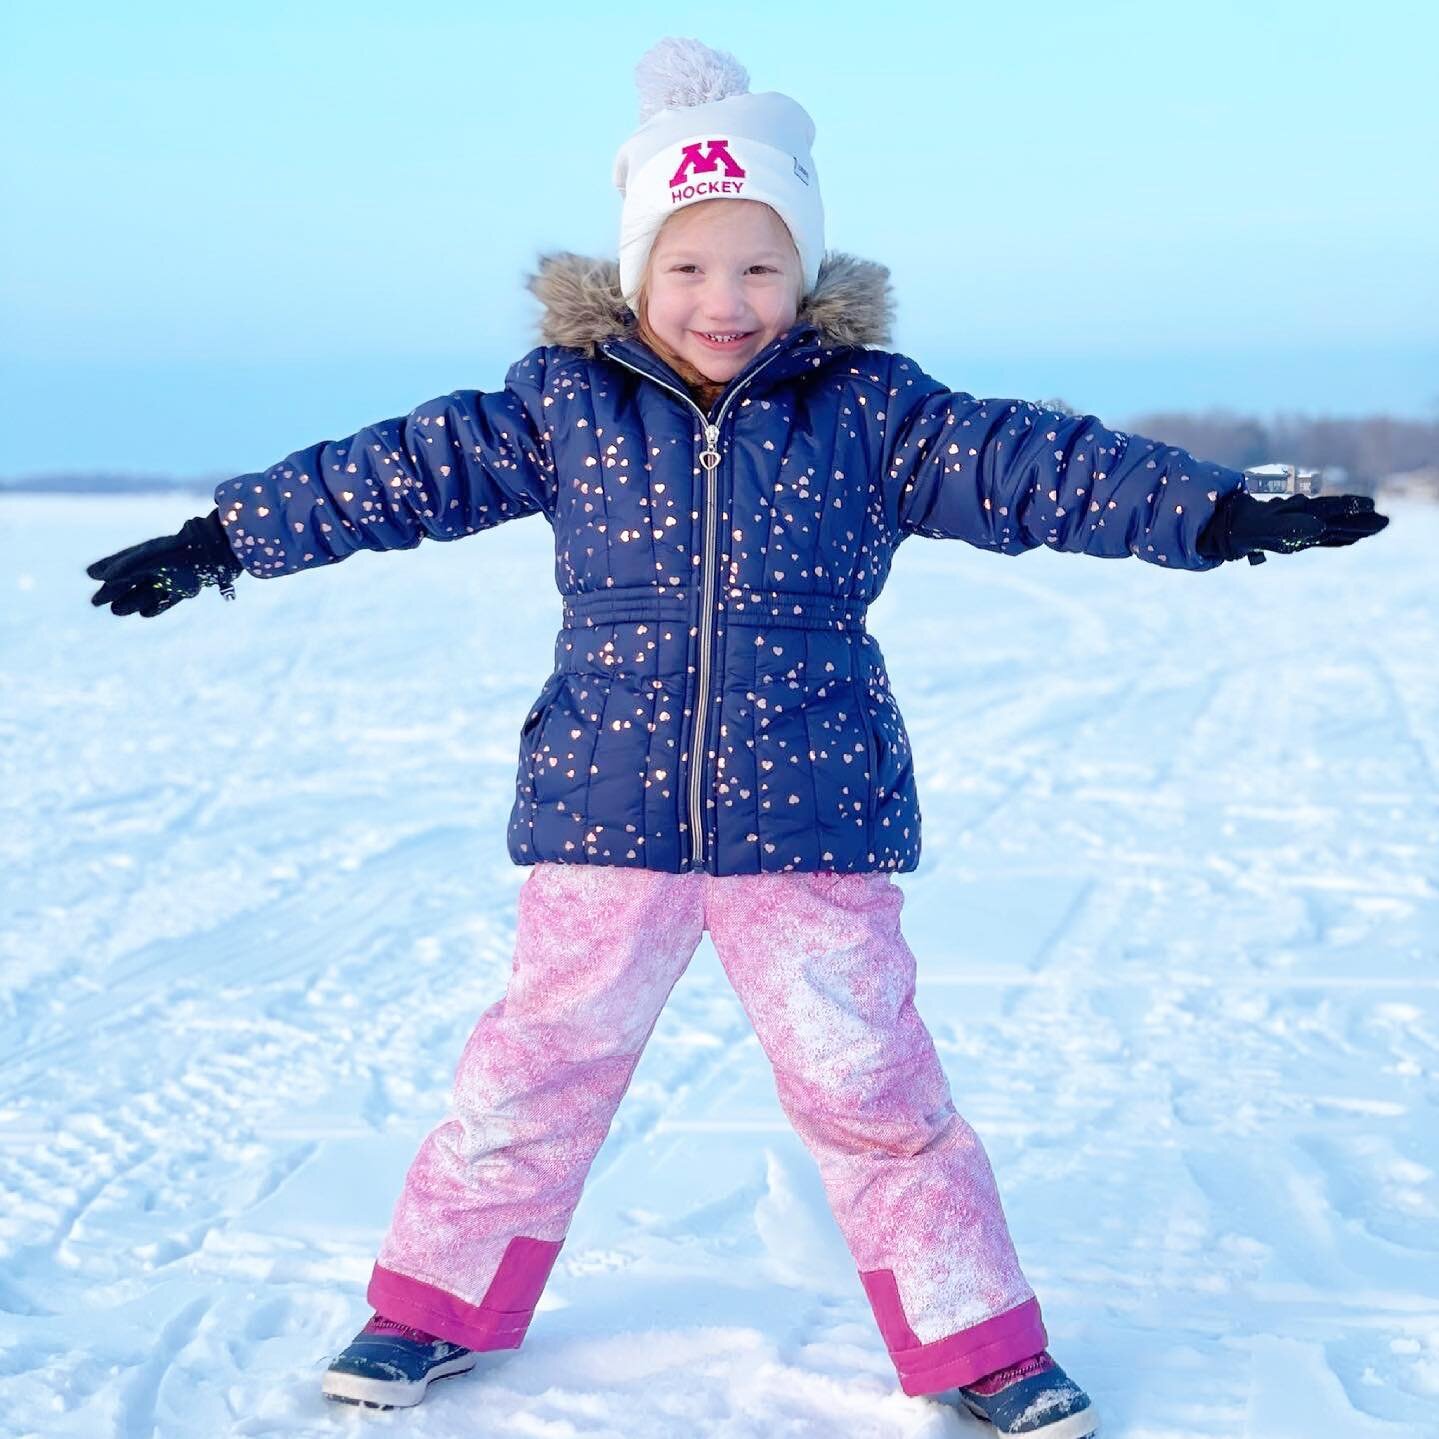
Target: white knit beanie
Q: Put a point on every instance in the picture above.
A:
(703, 136)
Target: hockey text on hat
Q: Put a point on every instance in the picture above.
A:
(692, 162)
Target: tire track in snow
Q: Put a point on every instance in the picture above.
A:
(60, 928)
(1400, 709)
(141, 1393)
(142, 1109)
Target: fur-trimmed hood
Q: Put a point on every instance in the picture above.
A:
(852, 303)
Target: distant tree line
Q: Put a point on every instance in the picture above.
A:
(1368, 451)
(1360, 453)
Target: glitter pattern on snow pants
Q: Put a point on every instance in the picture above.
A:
(820, 965)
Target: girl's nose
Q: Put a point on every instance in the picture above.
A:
(724, 301)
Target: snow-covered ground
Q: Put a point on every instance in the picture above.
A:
(1177, 921)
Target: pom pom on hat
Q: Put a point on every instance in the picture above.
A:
(677, 74)
(703, 136)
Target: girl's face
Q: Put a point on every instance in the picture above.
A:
(723, 281)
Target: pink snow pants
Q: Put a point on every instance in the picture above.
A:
(820, 965)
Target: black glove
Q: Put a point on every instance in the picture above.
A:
(1242, 525)
(154, 576)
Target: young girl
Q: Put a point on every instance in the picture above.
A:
(729, 465)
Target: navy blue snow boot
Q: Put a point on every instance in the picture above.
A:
(1035, 1398)
(389, 1365)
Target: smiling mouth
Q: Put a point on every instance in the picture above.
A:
(724, 339)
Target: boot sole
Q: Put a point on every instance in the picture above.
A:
(391, 1393)
(1083, 1425)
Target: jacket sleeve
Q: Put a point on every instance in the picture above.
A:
(457, 465)
(1010, 476)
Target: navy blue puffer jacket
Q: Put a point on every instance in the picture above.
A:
(716, 701)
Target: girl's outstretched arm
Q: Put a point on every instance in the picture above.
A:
(1010, 476)
(459, 464)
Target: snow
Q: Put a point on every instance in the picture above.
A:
(1176, 922)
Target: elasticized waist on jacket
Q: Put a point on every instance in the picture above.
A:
(793, 611)
(771, 608)
(622, 605)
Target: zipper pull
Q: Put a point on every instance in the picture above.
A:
(709, 456)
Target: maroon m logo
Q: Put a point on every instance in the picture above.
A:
(693, 163)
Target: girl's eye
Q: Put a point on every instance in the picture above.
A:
(686, 269)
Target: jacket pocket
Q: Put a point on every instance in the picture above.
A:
(536, 716)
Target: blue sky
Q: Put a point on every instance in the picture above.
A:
(230, 230)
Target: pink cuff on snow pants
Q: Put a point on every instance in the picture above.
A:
(959, 1358)
(498, 1321)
